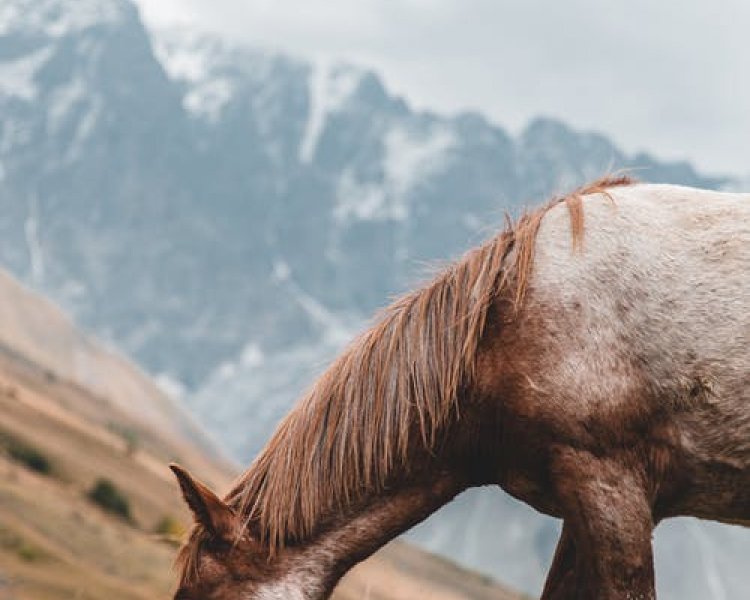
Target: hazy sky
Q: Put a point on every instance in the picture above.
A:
(668, 76)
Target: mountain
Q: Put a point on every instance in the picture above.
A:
(229, 217)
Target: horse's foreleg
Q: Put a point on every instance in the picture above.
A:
(610, 522)
(561, 579)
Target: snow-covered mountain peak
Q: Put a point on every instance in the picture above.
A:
(188, 55)
(18, 77)
(58, 18)
(330, 86)
(210, 70)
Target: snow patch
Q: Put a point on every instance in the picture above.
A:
(63, 99)
(17, 76)
(190, 56)
(252, 355)
(411, 157)
(87, 124)
(57, 18)
(208, 98)
(364, 201)
(198, 61)
(225, 371)
(9, 16)
(267, 391)
(335, 331)
(184, 58)
(171, 386)
(36, 256)
(281, 270)
(329, 89)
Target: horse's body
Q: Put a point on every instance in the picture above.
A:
(593, 360)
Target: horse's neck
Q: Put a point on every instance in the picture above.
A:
(356, 534)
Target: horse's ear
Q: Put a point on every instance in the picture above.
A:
(208, 509)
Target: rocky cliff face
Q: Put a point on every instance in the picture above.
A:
(229, 217)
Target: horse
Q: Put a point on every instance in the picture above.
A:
(592, 359)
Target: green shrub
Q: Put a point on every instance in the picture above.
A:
(30, 553)
(33, 459)
(107, 496)
(128, 435)
(170, 527)
(25, 454)
(12, 541)
(170, 530)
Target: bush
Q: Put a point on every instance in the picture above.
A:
(12, 541)
(128, 435)
(107, 496)
(25, 454)
(170, 529)
(169, 526)
(32, 458)
(29, 553)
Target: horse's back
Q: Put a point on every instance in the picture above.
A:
(657, 294)
(645, 327)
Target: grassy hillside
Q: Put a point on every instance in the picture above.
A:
(55, 541)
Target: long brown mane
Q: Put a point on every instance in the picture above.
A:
(399, 379)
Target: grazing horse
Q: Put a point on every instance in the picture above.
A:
(592, 359)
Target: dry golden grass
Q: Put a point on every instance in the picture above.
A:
(55, 543)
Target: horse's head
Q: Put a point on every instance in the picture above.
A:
(220, 562)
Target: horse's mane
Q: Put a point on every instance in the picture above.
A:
(400, 378)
